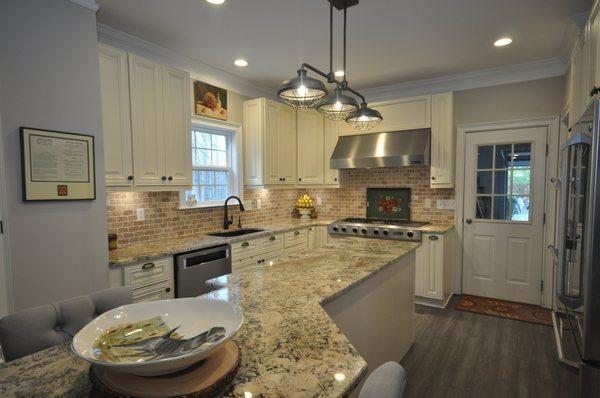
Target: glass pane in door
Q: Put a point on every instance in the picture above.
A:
(503, 181)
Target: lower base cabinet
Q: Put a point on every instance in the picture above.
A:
(149, 280)
(433, 269)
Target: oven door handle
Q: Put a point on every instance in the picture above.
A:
(571, 366)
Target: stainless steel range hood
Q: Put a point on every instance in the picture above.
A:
(393, 149)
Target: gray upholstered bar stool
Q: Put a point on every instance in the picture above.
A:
(34, 329)
(387, 381)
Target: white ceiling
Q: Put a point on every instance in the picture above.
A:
(389, 41)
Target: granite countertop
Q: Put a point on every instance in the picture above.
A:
(166, 247)
(289, 345)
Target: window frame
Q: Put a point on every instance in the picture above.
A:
(233, 131)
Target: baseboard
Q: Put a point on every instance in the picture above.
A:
(433, 302)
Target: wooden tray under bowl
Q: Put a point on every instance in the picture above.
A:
(200, 380)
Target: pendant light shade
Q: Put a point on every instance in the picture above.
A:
(365, 118)
(302, 91)
(337, 106)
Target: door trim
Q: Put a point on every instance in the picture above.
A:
(552, 123)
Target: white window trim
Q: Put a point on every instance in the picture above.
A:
(236, 186)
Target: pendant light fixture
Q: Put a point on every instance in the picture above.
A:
(305, 92)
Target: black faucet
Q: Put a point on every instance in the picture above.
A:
(227, 222)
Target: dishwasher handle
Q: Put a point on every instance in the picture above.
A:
(204, 257)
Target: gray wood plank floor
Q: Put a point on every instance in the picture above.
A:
(462, 354)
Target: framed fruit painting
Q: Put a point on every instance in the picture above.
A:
(210, 101)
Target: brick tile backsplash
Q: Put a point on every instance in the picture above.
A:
(164, 219)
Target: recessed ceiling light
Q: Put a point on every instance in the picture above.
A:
(241, 63)
(503, 41)
(339, 73)
(216, 1)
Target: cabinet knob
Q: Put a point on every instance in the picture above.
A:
(130, 178)
(163, 178)
(170, 178)
(433, 177)
(335, 179)
(296, 232)
(299, 179)
(168, 289)
(283, 178)
(594, 91)
(468, 221)
(272, 238)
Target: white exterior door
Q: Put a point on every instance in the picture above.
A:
(503, 214)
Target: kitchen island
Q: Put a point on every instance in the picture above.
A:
(290, 345)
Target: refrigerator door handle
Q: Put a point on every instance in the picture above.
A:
(566, 363)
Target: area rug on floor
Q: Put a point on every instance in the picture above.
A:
(505, 309)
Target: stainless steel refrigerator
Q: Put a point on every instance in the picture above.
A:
(577, 315)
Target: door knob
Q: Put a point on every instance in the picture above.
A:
(468, 221)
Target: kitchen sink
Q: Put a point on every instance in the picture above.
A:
(237, 232)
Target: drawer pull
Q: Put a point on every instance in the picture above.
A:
(272, 238)
(245, 244)
(148, 266)
(296, 232)
(433, 237)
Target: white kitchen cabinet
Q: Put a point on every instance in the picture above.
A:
(317, 237)
(146, 122)
(311, 151)
(442, 141)
(177, 126)
(400, 114)
(149, 280)
(433, 269)
(269, 143)
(116, 119)
(332, 132)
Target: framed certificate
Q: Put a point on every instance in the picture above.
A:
(57, 166)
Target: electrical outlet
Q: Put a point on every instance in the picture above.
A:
(319, 201)
(427, 203)
(140, 215)
(258, 204)
(445, 204)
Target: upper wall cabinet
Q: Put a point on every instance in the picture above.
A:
(269, 143)
(332, 132)
(116, 120)
(311, 151)
(146, 122)
(401, 114)
(442, 141)
(584, 69)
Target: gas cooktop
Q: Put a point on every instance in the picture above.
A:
(381, 229)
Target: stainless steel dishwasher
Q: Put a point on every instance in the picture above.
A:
(193, 269)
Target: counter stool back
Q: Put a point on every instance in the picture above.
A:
(34, 329)
(387, 381)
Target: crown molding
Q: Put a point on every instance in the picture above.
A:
(89, 4)
(463, 81)
(196, 68)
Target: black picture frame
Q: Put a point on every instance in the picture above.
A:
(25, 182)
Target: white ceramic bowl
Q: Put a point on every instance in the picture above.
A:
(192, 315)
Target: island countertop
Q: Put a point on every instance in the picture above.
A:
(289, 344)
(152, 250)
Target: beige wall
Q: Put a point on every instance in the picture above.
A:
(234, 106)
(531, 99)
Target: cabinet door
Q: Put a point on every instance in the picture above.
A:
(147, 125)
(253, 114)
(433, 266)
(442, 141)
(311, 130)
(161, 291)
(402, 114)
(312, 239)
(177, 117)
(322, 236)
(332, 132)
(286, 144)
(271, 143)
(116, 118)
